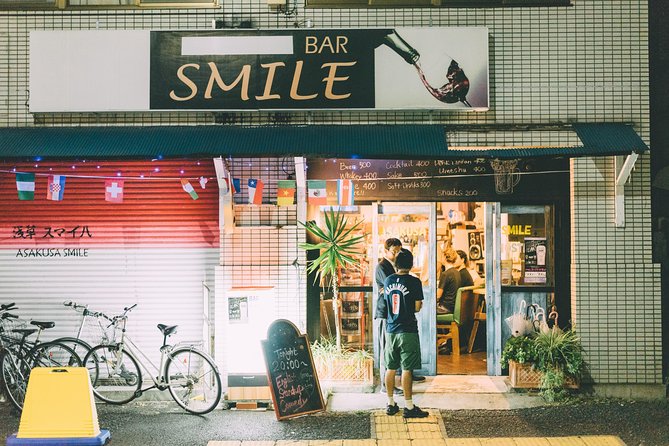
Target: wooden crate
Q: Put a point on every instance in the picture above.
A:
(343, 370)
(523, 376)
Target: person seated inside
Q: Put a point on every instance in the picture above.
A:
(461, 266)
(449, 282)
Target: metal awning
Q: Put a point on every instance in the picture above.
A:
(340, 141)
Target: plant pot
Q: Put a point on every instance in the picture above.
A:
(523, 376)
(355, 370)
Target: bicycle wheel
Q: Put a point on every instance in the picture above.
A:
(15, 371)
(193, 381)
(80, 347)
(53, 354)
(115, 374)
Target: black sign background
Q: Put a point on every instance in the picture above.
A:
(166, 59)
(466, 179)
(290, 371)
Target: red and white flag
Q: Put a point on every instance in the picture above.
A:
(114, 191)
(55, 188)
(255, 191)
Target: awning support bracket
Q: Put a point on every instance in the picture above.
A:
(623, 169)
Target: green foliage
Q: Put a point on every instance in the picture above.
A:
(552, 385)
(337, 246)
(561, 350)
(556, 354)
(337, 250)
(326, 350)
(519, 349)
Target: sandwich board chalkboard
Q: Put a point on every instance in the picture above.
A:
(290, 371)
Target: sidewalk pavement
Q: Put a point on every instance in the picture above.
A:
(444, 392)
(397, 431)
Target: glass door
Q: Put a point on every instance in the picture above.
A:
(414, 225)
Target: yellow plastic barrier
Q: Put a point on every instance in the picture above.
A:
(59, 406)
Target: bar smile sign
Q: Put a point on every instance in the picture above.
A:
(305, 69)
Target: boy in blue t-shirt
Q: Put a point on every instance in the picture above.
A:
(403, 298)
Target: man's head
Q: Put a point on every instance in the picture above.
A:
(462, 258)
(450, 256)
(392, 247)
(404, 260)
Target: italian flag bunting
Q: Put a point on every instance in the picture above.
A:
(25, 186)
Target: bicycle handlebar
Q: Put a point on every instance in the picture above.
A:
(9, 316)
(76, 306)
(121, 316)
(6, 307)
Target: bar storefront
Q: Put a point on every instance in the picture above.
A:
(500, 192)
(466, 204)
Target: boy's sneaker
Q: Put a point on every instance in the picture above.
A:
(416, 412)
(392, 410)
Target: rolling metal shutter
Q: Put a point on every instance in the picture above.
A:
(158, 248)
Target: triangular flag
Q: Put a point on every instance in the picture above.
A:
(55, 188)
(317, 192)
(255, 191)
(189, 188)
(203, 182)
(236, 185)
(25, 185)
(285, 192)
(345, 191)
(114, 191)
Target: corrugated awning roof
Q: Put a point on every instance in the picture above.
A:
(340, 141)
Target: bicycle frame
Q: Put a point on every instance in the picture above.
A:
(86, 313)
(127, 344)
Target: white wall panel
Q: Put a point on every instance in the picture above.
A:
(167, 285)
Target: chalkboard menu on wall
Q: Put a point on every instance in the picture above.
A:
(467, 179)
(290, 371)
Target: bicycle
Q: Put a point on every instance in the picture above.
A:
(190, 375)
(19, 356)
(81, 347)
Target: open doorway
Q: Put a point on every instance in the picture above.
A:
(461, 330)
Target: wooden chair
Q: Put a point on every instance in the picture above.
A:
(448, 325)
(479, 315)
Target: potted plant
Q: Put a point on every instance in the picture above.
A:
(551, 361)
(337, 248)
(337, 364)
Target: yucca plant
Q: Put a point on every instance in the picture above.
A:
(337, 248)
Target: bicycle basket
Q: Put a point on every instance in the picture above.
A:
(6, 333)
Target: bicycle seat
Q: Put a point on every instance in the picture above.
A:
(43, 325)
(25, 331)
(167, 329)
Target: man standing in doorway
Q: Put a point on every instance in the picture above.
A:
(403, 295)
(384, 269)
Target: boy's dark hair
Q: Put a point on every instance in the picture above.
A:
(404, 259)
(392, 242)
(462, 255)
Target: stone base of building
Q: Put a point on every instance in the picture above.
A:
(632, 391)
